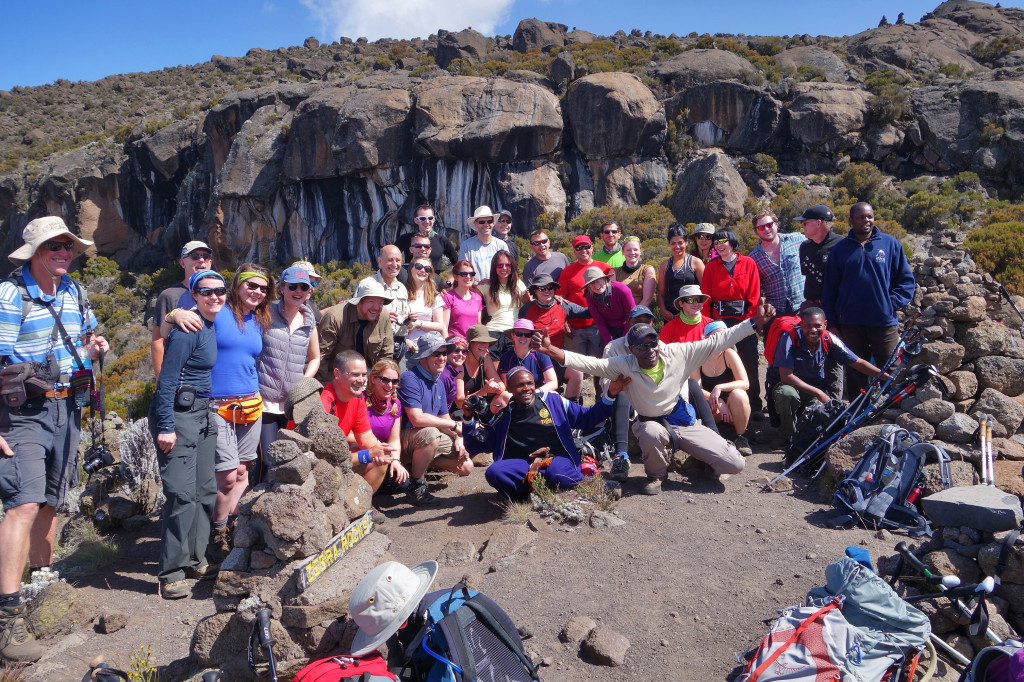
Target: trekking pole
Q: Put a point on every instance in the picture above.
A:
(982, 422)
(1006, 295)
(261, 634)
(991, 457)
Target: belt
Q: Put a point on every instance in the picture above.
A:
(58, 393)
(649, 419)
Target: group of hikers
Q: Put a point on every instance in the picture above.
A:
(447, 351)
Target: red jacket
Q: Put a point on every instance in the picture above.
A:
(743, 284)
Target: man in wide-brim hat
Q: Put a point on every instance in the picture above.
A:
(356, 324)
(479, 250)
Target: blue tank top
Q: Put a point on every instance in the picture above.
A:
(237, 350)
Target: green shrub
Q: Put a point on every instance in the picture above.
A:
(991, 134)
(666, 47)
(925, 210)
(951, 70)
(765, 165)
(991, 51)
(810, 73)
(998, 248)
(891, 100)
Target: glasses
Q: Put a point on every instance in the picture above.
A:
(522, 335)
(439, 354)
(582, 247)
(546, 287)
(200, 256)
(421, 246)
(489, 221)
(505, 220)
(252, 286)
(424, 218)
(206, 291)
(301, 285)
(539, 242)
(468, 273)
(702, 236)
(458, 350)
(421, 267)
(693, 299)
(57, 246)
(506, 266)
(720, 242)
(609, 232)
(648, 345)
(387, 380)
(765, 226)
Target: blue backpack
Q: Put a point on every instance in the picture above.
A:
(465, 637)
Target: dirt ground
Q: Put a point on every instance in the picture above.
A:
(691, 579)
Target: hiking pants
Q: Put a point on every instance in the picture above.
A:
(789, 403)
(190, 487)
(509, 475)
(747, 350)
(874, 344)
(699, 442)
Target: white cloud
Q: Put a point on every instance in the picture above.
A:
(405, 18)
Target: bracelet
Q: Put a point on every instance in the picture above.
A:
(169, 317)
(364, 456)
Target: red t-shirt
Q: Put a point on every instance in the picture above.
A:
(677, 331)
(571, 283)
(352, 417)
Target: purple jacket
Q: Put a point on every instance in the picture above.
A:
(612, 318)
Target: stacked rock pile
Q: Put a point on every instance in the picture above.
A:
(310, 495)
(973, 339)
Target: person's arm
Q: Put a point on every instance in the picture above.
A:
(449, 249)
(830, 287)
(704, 349)
(753, 292)
(574, 311)
(698, 268)
(790, 379)
(312, 354)
(739, 373)
(608, 368)
(186, 320)
(327, 331)
(156, 348)
(589, 418)
(666, 314)
(420, 419)
(550, 384)
(650, 283)
(599, 321)
(865, 367)
(176, 353)
(377, 452)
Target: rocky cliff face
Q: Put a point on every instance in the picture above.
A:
(331, 169)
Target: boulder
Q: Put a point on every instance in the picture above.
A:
(345, 130)
(304, 398)
(945, 354)
(615, 114)
(59, 608)
(563, 67)
(959, 428)
(988, 559)
(709, 190)
(530, 188)
(606, 646)
(1008, 478)
(744, 117)
(286, 515)
(915, 47)
(282, 450)
(843, 456)
(981, 507)
(576, 630)
(627, 181)
(971, 310)
(254, 162)
(485, 119)
(1005, 375)
(916, 425)
(951, 562)
(965, 385)
(1008, 412)
(166, 152)
(933, 411)
(702, 66)
(534, 34)
(961, 473)
(294, 471)
(828, 63)
(456, 552)
(824, 115)
(466, 44)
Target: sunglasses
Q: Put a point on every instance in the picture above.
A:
(522, 335)
(484, 222)
(252, 286)
(57, 246)
(693, 299)
(200, 256)
(439, 354)
(504, 265)
(609, 232)
(468, 273)
(646, 346)
(387, 380)
(458, 350)
(293, 286)
(505, 220)
(540, 241)
(424, 218)
(421, 267)
(722, 241)
(421, 246)
(546, 287)
(702, 236)
(206, 291)
(765, 226)
(582, 247)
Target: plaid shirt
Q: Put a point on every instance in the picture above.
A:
(782, 284)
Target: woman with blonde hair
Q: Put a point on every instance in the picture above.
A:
(385, 413)
(641, 279)
(503, 294)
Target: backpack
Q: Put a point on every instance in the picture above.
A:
(878, 492)
(465, 636)
(369, 668)
(1000, 663)
(787, 324)
(812, 422)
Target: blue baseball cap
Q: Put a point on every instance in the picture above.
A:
(294, 275)
(639, 310)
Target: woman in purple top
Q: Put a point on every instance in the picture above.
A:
(453, 370)
(609, 304)
(385, 414)
(520, 354)
(462, 303)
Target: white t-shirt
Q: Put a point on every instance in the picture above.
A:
(503, 314)
(480, 254)
(419, 310)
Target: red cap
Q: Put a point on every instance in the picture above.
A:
(581, 239)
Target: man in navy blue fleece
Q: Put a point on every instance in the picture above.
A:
(867, 279)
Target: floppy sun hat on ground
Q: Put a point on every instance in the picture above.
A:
(384, 600)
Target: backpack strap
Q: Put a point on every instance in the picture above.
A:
(820, 613)
(485, 613)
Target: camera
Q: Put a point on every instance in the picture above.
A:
(479, 407)
(97, 457)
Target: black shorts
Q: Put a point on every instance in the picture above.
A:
(44, 434)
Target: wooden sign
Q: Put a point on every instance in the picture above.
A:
(340, 544)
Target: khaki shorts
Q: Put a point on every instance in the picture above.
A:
(414, 439)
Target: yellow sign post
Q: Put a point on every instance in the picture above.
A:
(340, 544)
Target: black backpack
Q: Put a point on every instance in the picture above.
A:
(876, 493)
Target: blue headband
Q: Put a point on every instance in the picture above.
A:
(202, 274)
(714, 326)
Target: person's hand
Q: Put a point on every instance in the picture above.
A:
(723, 409)
(616, 387)
(765, 312)
(394, 316)
(460, 448)
(379, 453)
(165, 441)
(398, 472)
(98, 345)
(716, 407)
(493, 387)
(187, 320)
(5, 448)
(541, 341)
(823, 397)
(539, 453)
(716, 395)
(411, 345)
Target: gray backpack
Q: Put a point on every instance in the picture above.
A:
(1001, 663)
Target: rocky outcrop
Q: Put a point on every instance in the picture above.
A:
(827, 117)
(702, 66)
(730, 114)
(467, 44)
(920, 47)
(818, 60)
(534, 34)
(709, 190)
(614, 114)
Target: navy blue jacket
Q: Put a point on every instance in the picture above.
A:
(565, 414)
(867, 284)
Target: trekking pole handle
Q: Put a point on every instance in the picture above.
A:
(909, 557)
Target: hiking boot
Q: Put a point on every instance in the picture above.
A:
(613, 489)
(220, 544)
(620, 469)
(204, 572)
(743, 445)
(653, 486)
(176, 590)
(420, 496)
(17, 643)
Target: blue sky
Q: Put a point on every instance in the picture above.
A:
(78, 40)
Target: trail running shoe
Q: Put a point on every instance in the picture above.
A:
(620, 469)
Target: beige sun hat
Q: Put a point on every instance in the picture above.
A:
(686, 291)
(43, 230)
(370, 287)
(384, 600)
(308, 267)
(591, 275)
(481, 212)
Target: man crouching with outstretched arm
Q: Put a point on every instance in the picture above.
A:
(659, 394)
(534, 438)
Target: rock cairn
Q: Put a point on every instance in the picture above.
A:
(310, 495)
(973, 339)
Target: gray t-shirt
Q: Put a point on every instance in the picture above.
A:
(552, 266)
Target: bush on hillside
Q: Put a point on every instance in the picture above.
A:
(988, 52)
(998, 248)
